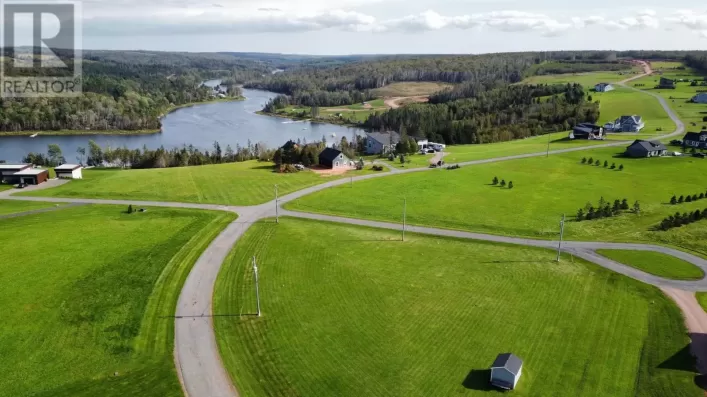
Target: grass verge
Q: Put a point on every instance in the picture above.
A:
(655, 263)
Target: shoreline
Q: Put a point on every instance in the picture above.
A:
(311, 120)
(117, 132)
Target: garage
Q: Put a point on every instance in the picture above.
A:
(31, 176)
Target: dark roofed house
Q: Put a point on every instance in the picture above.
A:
(381, 142)
(628, 124)
(603, 87)
(587, 131)
(506, 371)
(333, 158)
(695, 139)
(7, 172)
(640, 148)
(666, 83)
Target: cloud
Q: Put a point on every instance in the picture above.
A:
(269, 9)
(692, 20)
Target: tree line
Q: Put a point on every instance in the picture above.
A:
(605, 209)
(686, 199)
(679, 219)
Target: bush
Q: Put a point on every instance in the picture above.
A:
(621, 167)
(288, 169)
(606, 163)
(453, 167)
(377, 167)
(584, 160)
(130, 209)
(597, 163)
(613, 166)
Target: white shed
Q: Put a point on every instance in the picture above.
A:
(69, 171)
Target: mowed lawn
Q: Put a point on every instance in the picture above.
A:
(245, 183)
(88, 298)
(627, 102)
(588, 80)
(411, 88)
(13, 207)
(544, 189)
(350, 311)
(656, 263)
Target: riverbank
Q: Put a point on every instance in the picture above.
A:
(118, 132)
(339, 122)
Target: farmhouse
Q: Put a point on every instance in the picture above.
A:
(380, 142)
(700, 98)
(506, 370)
(587, 131)
(626, 124)
(332, 158)
(666, 83)
(695, 140)
(603, 87)
(7, 172)
(31, 176)
(68, 171)
(640, 148)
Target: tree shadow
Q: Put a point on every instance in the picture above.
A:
(478, 379)
(685, 360)
(263, 167)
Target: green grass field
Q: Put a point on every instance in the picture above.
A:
(245, 183)
(702, 299)
(656, 263)
(12, 207)
(588, 80)
(351, 311)
(623, 101)
(410, 88)
(5, 187)
(545, 188)
(665, 65)
(89, 295)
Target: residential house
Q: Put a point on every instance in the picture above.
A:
(700, 98)
(32, 176)
(68, 171)
(587, 131)
(666, 83)
(641, 148)
(381, 142)
(333, 158)
(506, 370)
(603, 87)
(695, 140)
(626, 124)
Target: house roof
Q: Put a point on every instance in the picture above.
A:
(695, 136)
(14, 166)
(30, 171)
(67, 167)
(602, 85)
(384, 137)
(584, 129)
(329, 154)
(633, 119)
(649, 146)
(509, 361)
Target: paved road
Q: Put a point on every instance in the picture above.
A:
(38, 211)
(196, 353)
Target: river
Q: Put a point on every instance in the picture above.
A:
(229, 123)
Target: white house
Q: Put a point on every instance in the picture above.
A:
(700, 98)
(69, 171)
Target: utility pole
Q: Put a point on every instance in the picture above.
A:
(547, 154)
(352, 182)
(562, 231)
(277, 217)
(405, 204)
(257, 292)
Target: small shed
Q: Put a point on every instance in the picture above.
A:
(506, 370)
(32, 176)
(333, 158)
(68, 171)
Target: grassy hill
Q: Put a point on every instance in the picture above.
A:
(350, 311)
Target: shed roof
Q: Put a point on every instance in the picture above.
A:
(648, 145)
(14, 166)
(509, 361)
(67, 167)
(384, 137)
(30, 171)
(329, 154)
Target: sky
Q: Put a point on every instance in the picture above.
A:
(324, 27)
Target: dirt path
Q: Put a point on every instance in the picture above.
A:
(696, 322)
(396, 102)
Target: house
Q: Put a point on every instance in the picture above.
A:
(333, 158)
(700, 98)
(641, 148)
(7, 172)
(68, 171)
(506, 370)
(626, 124)
(587, 131)
(666, 83)
(603, 87)
(32, 176)
(381, 142)
(695, 140)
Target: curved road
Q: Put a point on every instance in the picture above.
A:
(196, 353)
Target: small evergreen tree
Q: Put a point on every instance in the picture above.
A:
(621, 167)
(624, 204)
(616, 207)
(694, 197)
(503, 182)
(681, 199)
(584, 160)
(130, 209)
(606, 163)
(590, 213)
(590, 161)
(613, 166)
(597, 163)
(510, 185)
(580, 215)
(704, 213)
(702, 195)
(495, 180)
(688, 199)
(673, 200)
(636, 207)
(402, 159)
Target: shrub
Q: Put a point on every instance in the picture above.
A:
(688, 199)
(503, 183)
(510, 185)
(590, 161)
(694, 197)
(377, 167)
(495, 180)
(597, 163)
(606, 163)
(453, 167)
(673, 200)
(621, 167)
(613, 166)
(681, 199)
(584, 160)
(130, 209)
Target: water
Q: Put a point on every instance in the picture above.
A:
(229, 123)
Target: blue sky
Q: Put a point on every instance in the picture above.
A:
(392, 26)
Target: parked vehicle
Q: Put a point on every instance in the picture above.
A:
(699, 155)
(21, 185)
(430, 150)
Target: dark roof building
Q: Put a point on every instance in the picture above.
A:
(506, 370)
(695, 139)
(381, 142)
(603, 87)
(587, 131)
(31, 176)
(333, 158)
(641, 148)
(666, 83)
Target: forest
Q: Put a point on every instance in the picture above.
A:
(501, 114)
